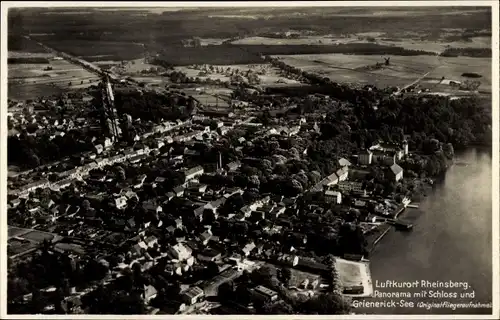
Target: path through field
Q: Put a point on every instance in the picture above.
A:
(420, 78)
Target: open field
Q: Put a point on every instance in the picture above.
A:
(19, 43)
(355, 274)
(23, 54)
(207, 89)
(38, 236)
(22, 239)
(29, 81)
(210, 99)
(439, 46)
(152, 80)
(401, 71)
(297, 280)
(411, 42)
(307, 40)
(15, 247)
(453, 68)
(14, 231)
(212, 41)
(298, 277)
(71, 248)
(349, 68)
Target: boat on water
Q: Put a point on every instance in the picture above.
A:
(404, 227)
(400, 225)
(463, 164)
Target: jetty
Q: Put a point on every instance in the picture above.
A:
(398, 210)
(381, 235)
(400, 225)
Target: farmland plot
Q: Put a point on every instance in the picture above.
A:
(453, 68)
(29, 81)
(401, 71)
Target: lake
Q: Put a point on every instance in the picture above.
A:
(451, 241)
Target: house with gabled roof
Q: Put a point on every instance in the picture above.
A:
(149, 293)
(99, 148)
(333, 196)
(208, 255)
(180, 252)
(151, 206)
(248, 248)
(198, 212)
(205, 237)
(179, 191)
(396, 171)
(192, 295)
(343, 162)
(193, 173)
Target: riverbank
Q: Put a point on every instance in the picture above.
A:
(422, 186)
(452, 222)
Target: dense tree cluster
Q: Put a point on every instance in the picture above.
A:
(154, 106)
(467, 52)
(345, 48)
(49, 268)
(277, 279)
(28, 60)
(29, 152)
(212, 54)
(20, 43)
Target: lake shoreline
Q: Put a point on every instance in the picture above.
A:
(410, 256)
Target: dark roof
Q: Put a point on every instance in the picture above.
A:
(193, 292)
(217, 203)
(210, 252)
(179, 189)
(199, 211)
(233, 165)
(390, 146)
(137, 157)
(225, 276)
(385, 153)
(266, 291)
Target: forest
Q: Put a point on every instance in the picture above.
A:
(215, 55)
(170, 27)
(30, 152)
(28, 60)
(246, 54)
(154, 106)
(467, 52)
(120, 35)
(345, 48)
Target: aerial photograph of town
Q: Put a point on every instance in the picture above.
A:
(249, 160)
